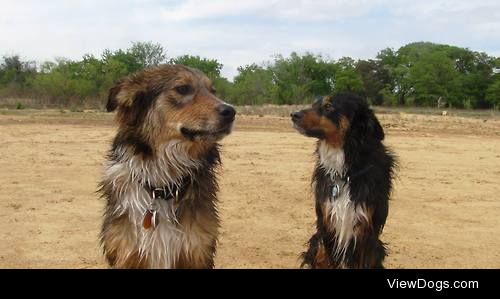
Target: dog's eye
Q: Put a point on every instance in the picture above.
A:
(213, 90)
(183, 89)
(328, 107)
(317, 103)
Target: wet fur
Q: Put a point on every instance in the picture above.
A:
(347, 227)
(150, 149)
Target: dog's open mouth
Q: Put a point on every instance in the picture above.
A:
(206, 134)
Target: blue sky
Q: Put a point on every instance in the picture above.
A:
(241, 32)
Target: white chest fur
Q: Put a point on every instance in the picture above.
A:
(172, 237)
(331, 159)
(343, 215)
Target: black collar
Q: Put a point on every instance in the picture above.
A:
(348, 177)
(168, 192)
(345, 180)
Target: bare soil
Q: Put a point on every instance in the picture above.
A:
(444, 211)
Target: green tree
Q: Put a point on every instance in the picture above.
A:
(211, 67)
(346, 77)
(423, 70)
(391, 62)
(298, 78)
(224, 89)
(148, 54)
(129, 62)
(254, 86)
(493, 93)
(14, 71)
(388, 57)
(66, 84)
(432, 77)
(347, 80)
(375, 78)
(417, 73)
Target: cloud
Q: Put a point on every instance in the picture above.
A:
(197, 9)
(291, 10)
(241, 32)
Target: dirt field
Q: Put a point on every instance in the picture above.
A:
(444, 212)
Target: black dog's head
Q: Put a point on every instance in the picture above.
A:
(337, 119)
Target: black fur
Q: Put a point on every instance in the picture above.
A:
(112, 103)
(371, 166)
(132, 139)
(133, 117)
(138, 164)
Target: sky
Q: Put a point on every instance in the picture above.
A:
(238, 33)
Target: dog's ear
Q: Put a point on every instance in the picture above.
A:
(365, 126)
(133, 97)
(112, 100)
(123, 93)
(373, 126)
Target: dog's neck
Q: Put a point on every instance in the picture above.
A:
(169, 166)
(331, 159)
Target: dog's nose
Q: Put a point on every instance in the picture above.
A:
(296, 115)
(227, 112)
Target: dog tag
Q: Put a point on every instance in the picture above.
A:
(335, 191)
(150, 219)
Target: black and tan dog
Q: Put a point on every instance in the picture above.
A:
(160, 179)
(352, 182)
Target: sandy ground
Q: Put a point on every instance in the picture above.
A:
(444, 212)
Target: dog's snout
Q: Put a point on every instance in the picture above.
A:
(296, 115)
(227, 112)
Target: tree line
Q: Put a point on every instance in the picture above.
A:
(417, 74)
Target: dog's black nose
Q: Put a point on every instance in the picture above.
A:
(296, 115)
(227, 112)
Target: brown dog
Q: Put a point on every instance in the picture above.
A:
(160, 177)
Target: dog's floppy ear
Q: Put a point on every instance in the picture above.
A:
(133, 97)
(112, 100)
(373, 126)
(365, 126)
(123, 93)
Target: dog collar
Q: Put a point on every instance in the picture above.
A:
(165, 193)
(346, 179)
(168, 192)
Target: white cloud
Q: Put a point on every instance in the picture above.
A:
(197, 9)
(242, 32)
(298, 10)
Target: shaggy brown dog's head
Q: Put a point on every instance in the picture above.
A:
(169, 102)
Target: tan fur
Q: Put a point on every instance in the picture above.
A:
(187, 232)
(364, 227)
(120, 247)
(163, 119)
(322, 258)
(334, 135)
(204, 230)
